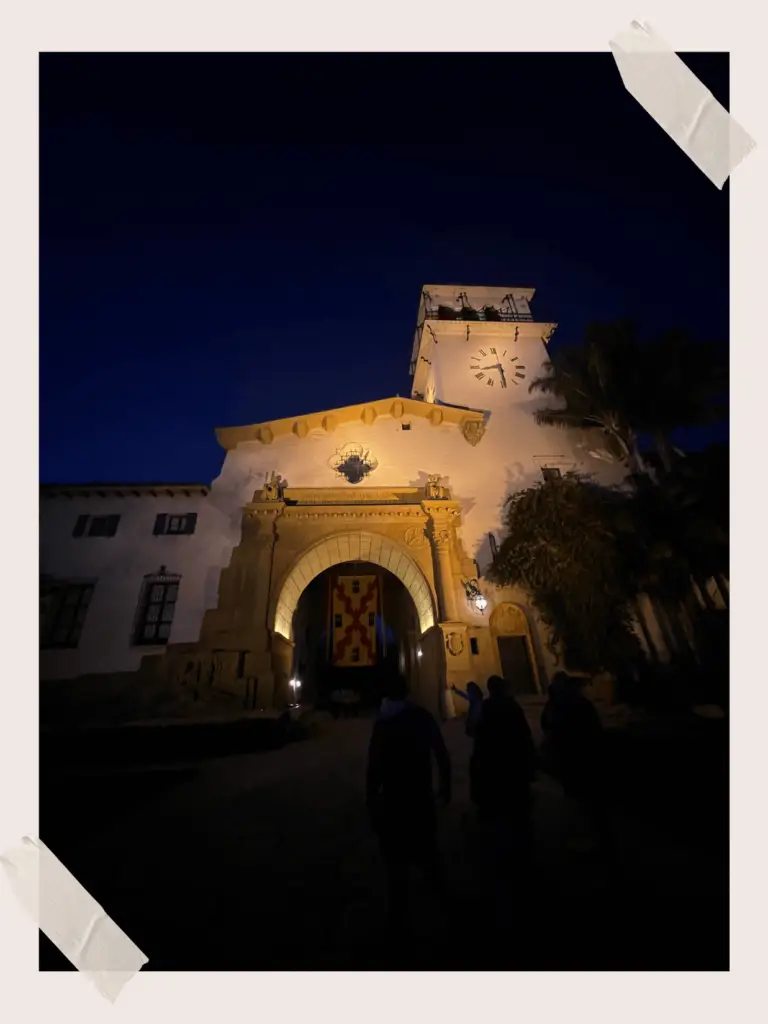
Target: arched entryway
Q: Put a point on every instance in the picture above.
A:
(354, 626)
(511, 634)
(404, 618)
(351, 547)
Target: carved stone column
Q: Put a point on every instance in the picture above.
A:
(445, 581)
(443, 515)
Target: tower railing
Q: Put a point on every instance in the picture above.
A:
(488, 314)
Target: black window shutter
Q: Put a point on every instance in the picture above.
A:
(80, 525)
(191, 522)
(112, 522)
(160, 524)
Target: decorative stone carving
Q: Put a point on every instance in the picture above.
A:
(353, 462)
(509, 619)
(414, 537)
(454, 642)
(434, 491)
(473, 431)
(442, 539)
(273, 487)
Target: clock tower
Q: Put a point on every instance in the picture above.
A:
(477, 347)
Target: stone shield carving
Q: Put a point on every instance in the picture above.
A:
(455, 643)
(473, 431)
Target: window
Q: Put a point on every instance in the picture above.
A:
(355, 586)
(166, 523)
(355, 654)
(405, 426)
(551, 473)
(63, 608)
(157, 604)
(473, 645)
(96, 526)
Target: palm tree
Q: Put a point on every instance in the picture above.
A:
(614, 383)
(687, 386)
(596, 384)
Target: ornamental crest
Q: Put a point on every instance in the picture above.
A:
(473, 431)
(455, 643)
(353, 462)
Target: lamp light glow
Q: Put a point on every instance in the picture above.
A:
(475, 596)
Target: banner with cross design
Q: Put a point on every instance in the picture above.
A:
(354, 606)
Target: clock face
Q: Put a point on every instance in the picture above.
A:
(496, 368)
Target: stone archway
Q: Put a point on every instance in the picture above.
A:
(509, 623)
(357, 546)
(336, 549)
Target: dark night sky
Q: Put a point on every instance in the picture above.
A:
(227, 239)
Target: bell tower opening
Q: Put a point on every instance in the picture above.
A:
(354, 625)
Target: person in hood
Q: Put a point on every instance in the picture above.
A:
(400, 796)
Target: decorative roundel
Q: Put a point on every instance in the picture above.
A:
(353, 462)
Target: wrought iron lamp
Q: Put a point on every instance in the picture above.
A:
(475, 596)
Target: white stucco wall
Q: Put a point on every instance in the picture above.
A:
(117, 565)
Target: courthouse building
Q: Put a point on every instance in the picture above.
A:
(334, 544)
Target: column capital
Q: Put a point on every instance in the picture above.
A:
(441, 509)
(258, 509)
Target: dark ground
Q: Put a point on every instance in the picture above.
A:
(265, 861)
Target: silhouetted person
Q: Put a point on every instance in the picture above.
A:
(400, 795)
(574, 734)
(503, 762)
(501, 770)
(474, 697)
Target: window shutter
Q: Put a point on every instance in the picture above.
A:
(191, 522)
(160, 522)
(112, 522)
(80, 525)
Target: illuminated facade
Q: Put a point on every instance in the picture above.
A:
(206, 584)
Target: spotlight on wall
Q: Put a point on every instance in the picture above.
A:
(295, 685)
(475, 597)
(418, 652)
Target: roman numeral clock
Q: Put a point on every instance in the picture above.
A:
(497, 368)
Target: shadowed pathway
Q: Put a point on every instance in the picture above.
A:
(266, 861)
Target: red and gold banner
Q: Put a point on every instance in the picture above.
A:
(354, 605)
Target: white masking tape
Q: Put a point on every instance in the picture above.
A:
(678, 101)
(71, 918)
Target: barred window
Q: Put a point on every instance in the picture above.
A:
(63, 609)
(157, 604)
